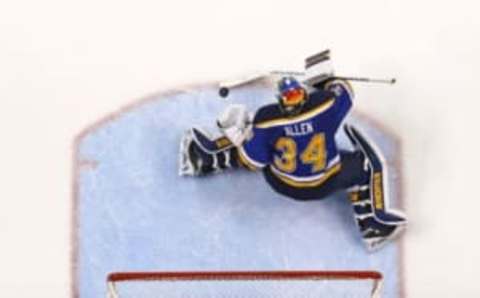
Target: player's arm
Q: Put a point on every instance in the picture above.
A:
(343, 93)
(254, 153)
(251, 141)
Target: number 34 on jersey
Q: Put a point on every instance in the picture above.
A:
(289, 159)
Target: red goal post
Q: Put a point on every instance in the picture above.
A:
(245, 284)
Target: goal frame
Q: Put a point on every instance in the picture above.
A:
(172, 276)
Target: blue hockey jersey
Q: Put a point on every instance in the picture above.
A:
(300, 150)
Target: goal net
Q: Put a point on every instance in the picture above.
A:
(278, 284)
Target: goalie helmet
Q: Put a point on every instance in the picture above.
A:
(291, 96)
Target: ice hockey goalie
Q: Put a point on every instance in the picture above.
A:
(293, 143)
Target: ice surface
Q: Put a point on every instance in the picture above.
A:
(135, 213)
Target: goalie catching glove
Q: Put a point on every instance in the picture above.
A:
(235, 123)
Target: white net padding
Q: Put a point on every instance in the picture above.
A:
(282, 284)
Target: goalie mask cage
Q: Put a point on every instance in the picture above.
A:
(259, 284)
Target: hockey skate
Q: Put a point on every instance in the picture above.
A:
(376, 234)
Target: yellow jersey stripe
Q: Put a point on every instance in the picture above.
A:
(330, 172)
(284, 121)
(244, 161)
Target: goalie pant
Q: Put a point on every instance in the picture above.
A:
(348, 174)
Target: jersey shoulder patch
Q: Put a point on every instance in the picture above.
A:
(340, 87)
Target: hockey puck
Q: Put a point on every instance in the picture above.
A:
(223, 92)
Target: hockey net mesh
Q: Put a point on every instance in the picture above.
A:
(245, 284)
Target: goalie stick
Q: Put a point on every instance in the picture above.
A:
(225, 87)
(318, 68)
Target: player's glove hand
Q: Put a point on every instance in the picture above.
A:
(236, 123)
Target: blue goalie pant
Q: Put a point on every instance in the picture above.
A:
(351, 173)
